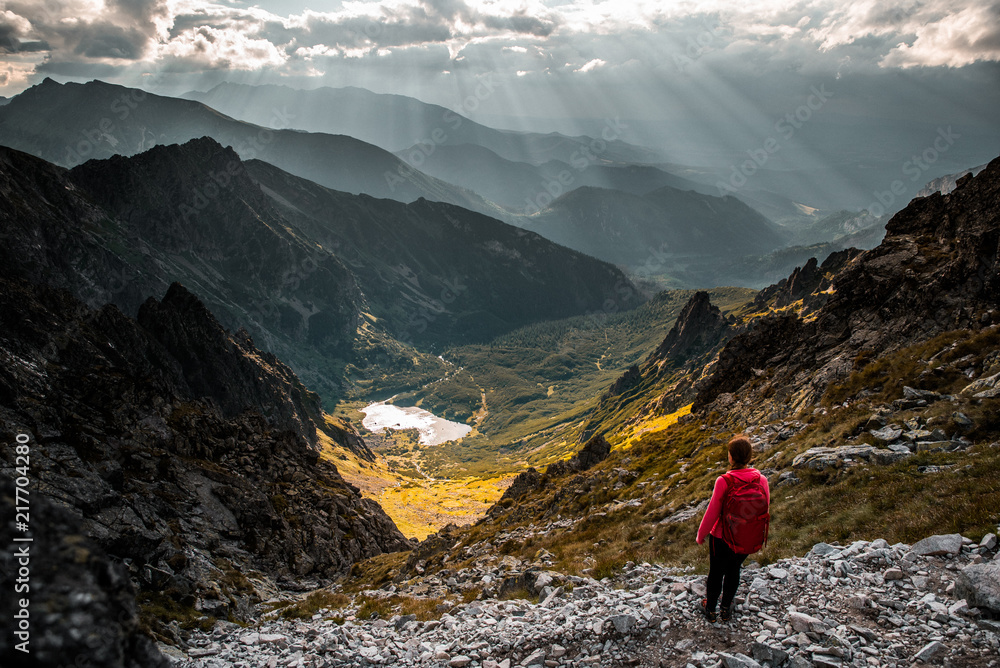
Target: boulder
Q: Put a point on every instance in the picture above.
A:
(941, 545)
(824, 457)
(929, 651)
(979, 585)
(982, 384)
(926, 395)
(737, 661)
(623, 623)
(772, 655)
(887, 434)
(802, 622)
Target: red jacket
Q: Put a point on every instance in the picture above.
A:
(710, 523)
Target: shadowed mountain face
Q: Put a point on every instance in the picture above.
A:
(664, 225)
(183, 448)
(320, 278)
(397, 122)
(70, 123)
(440, 273)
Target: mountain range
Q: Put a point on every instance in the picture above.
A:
(189, 330)
(660, 228)
(322, 278)
(68, 124)
(400, 123)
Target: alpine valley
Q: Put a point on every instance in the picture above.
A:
(208, 311)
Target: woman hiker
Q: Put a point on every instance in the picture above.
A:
(735, 523)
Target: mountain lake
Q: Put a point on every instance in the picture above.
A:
(433, 429)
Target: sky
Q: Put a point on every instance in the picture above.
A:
(708, 66)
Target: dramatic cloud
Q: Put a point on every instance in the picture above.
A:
(877, 32)
(438, 49)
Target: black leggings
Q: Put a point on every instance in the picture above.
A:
(723, 573)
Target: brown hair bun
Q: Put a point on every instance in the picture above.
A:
(741, 450)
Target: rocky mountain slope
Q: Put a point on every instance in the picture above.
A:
(306, 270)
(869, 386)
(101, 627)
(185, 450)
(938, 269)
(68, 124)
(868, 603)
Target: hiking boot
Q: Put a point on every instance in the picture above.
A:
(726, 613)
(709, 614)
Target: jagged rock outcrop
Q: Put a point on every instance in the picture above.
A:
(937, 269)
(699, 327)
(181, 475)
(228, 368)
(624, 382)
(810, 283)
(524, 482)
(595, 451)
(81, 604)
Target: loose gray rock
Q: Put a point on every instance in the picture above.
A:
(738, 661)
(886, 434)
(772, 655)
(929, 651)
(623, 623)
(938, 545)
(979, 585)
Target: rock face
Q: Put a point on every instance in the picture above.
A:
(699, 327)
(81, 603)
(195, 480)
(809, 283)
(938, 269)
(979, 584)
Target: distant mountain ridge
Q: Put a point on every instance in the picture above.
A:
(68, 124)
(398, 122)
(656, 229)
(526, 188)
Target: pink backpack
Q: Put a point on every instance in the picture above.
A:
(745, 516)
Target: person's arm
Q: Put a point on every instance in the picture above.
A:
(714, 510)
(767, 490)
